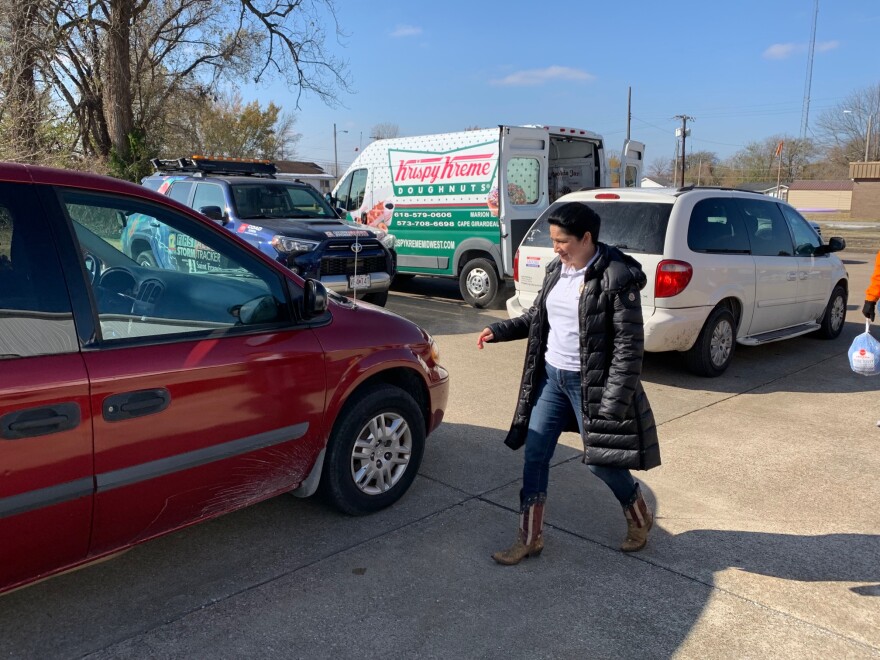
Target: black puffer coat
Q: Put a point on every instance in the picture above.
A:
(619, 429)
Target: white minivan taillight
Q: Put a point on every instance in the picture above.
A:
(672, 278)
(516, 267)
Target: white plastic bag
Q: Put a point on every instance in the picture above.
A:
(864, 353)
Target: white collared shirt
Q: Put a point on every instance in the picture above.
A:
(563, 340)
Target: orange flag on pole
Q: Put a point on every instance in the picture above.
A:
(779, 148)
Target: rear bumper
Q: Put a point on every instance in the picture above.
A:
(674, 329)
(515, 307)
(665, 329)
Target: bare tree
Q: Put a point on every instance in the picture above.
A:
(758, 161)
(700, 168)
(117, 63)
(228, 127)
(843, 129)
(21, 108)
(384, 131)
(660, 167)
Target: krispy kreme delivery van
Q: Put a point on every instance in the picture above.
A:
(460, 203)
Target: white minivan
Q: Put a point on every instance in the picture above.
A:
(724, 266)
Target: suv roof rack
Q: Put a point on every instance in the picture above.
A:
(201, 166)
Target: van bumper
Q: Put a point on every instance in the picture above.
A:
(674, 329)
(515, 307)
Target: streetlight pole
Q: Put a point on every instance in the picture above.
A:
(335, 156)
(868, 135)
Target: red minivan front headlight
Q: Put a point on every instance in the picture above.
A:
(672, 278)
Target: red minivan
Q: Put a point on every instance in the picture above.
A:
(136, 400)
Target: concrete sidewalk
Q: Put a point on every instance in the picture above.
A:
(767, 542)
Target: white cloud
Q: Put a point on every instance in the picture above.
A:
(781, 51)
(540, 76)
(406, 31)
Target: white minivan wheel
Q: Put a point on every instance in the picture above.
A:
(711, 354)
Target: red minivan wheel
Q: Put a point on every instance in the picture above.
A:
(374, 451)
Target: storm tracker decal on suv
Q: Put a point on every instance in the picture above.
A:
(724, 267)
(288, 220)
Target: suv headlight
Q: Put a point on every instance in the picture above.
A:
(288, 245)
(388, 240)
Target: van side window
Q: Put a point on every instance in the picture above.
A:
(358, 188)
(186, 280)
(342, 192)
(767, 229)
(35, 313)
(805, 239)
(716, 226)
(523, 180)
(629, 176)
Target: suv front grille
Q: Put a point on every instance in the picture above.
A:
(346, 265)
(339, 259)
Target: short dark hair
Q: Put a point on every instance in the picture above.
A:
(576, 219)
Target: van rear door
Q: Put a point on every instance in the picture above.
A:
(632, 161)
(522, 189)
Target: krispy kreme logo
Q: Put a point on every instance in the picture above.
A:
(427, 167)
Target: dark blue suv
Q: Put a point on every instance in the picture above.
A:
(288, 220)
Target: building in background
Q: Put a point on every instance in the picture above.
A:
(310, 173)
(821, 196)
(866, 190)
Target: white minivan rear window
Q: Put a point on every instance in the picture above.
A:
(630, 226)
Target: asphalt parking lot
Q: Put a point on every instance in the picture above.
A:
(767, 541)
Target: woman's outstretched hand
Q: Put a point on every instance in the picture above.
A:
(485, 336)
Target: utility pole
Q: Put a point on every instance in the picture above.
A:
(629, 96)
(684, 132)
(675, 166)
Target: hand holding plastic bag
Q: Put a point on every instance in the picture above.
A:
(864, 353)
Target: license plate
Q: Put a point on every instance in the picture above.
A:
(359, 281)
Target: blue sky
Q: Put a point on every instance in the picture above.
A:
(738, 67)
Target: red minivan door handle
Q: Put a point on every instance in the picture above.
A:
(135, 404)
(33, 422)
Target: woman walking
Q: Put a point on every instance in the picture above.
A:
(583, 364)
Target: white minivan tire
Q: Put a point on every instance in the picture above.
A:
(712, 352)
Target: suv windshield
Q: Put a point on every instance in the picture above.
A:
(277, 200)
(630, 226)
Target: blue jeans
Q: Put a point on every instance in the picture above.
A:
(559, 396)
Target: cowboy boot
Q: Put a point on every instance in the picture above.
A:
(529, 540)
(639, 521)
